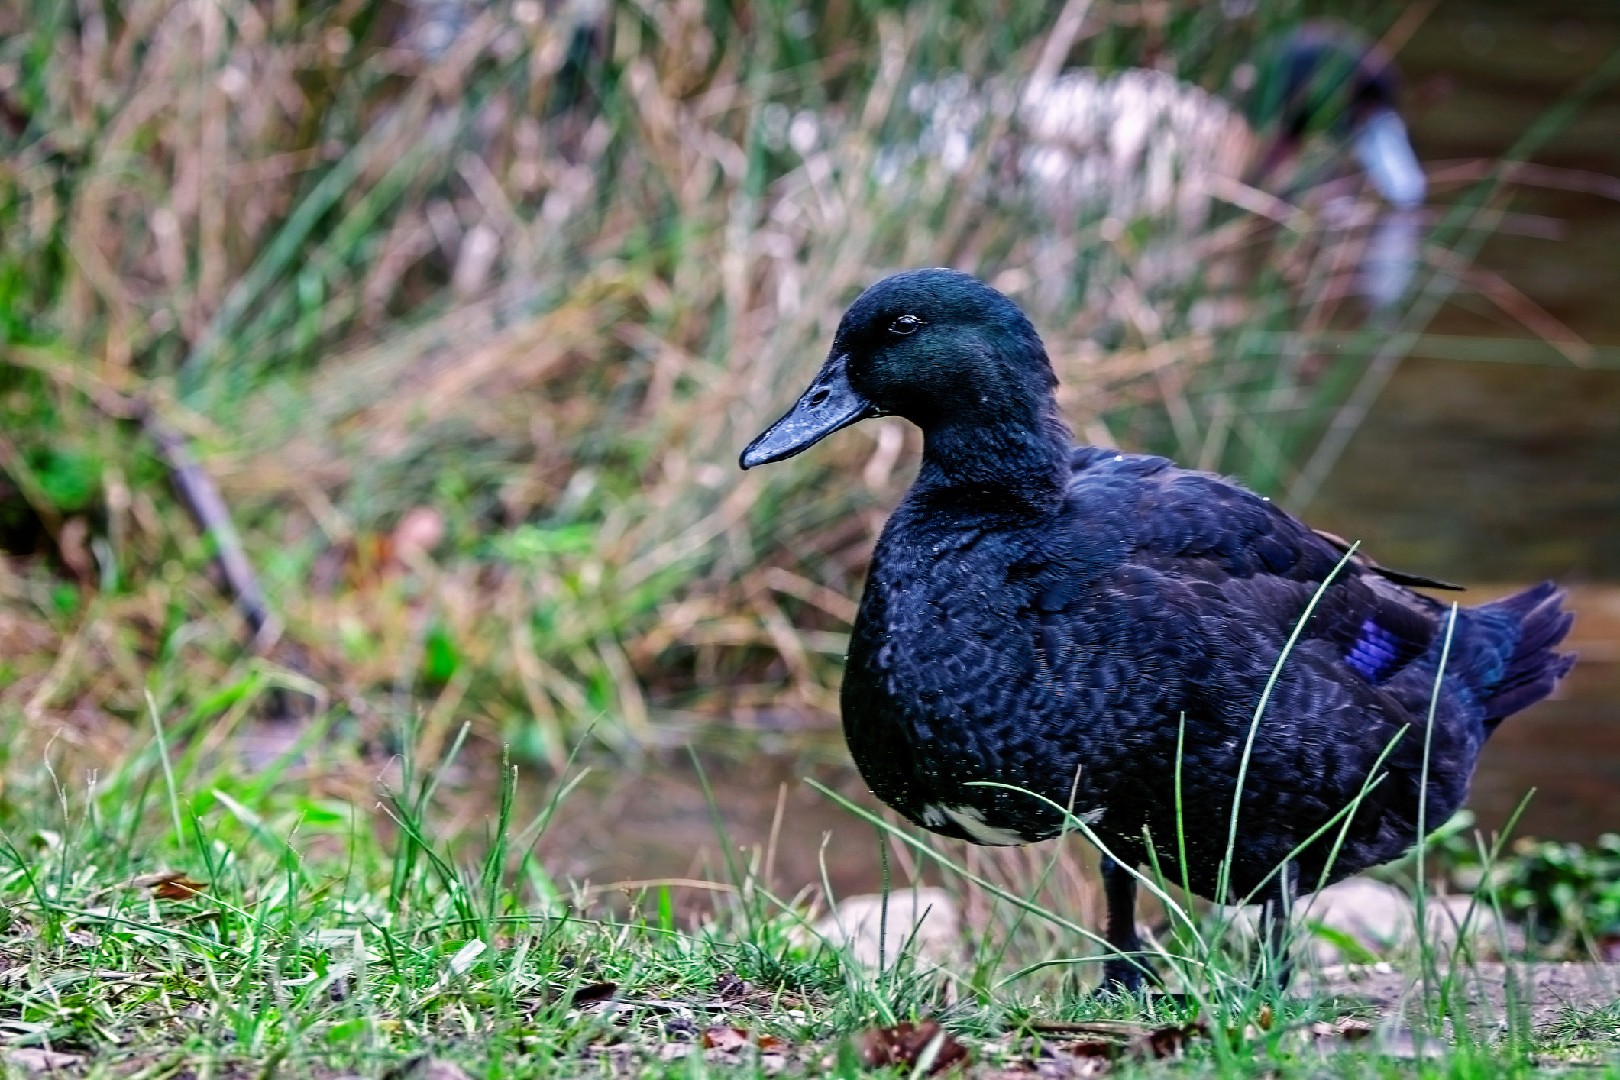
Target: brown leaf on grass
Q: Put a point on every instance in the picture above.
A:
(177, 887)
(1169, 1041)
(726, 1045)
(925, 1044)
(724, 1038)
(590, 995)
(170, 884)
(1089, 1057)
(1092, 1048)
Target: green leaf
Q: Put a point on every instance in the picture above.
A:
(69, 478)
(440, 657)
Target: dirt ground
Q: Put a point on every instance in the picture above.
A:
(1545, 991)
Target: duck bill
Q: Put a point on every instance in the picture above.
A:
(1386, 153)
(827, 404)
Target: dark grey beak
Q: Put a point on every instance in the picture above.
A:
(829, 403)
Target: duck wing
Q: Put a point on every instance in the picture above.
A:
(1399, 577)
(1231, 553)
(1176, 593)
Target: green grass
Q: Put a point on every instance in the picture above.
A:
(260, 222)
(336, 924)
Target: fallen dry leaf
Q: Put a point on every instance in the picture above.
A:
(1168, 1041)
(725, 1045)
(926, 1045)
(1090, 1057)
(1092, 1048)
(724, 1038)
(177, 887)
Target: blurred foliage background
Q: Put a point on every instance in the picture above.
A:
(467, 310)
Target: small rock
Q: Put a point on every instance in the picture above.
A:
(925, 920)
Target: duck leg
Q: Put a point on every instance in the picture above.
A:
(1124, 972)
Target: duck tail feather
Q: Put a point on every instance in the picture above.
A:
(1533, 667)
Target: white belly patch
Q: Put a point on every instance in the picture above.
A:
(971, 821)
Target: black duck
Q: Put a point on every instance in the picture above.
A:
(1054, 618)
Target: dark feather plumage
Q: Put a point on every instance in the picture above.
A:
(1055, 619)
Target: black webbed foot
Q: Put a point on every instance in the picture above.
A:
(1121, 976)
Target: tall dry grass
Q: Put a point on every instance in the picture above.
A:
(468, 310)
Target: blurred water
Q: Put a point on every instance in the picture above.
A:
(1506, 471)
(1482, 471)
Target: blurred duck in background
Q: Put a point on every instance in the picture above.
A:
(1142, 144)
(1328, 81)
(1150, 144)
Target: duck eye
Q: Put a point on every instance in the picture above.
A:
(905, 324)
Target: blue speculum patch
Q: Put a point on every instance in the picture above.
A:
(1376, 652)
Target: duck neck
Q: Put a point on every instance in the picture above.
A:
(1019, 462)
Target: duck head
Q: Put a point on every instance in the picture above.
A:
(1327, 79)
(950, 354)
